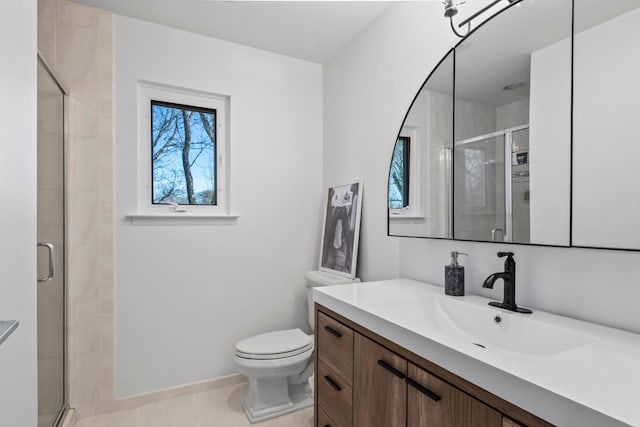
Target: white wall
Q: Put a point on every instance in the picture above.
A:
(186, 294)
(368, 88)
(513, 114)
(367, 91)
(18, 82)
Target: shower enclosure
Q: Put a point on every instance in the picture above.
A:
(51, 247)
(492, 195)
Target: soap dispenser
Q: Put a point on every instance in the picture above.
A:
(454, 276)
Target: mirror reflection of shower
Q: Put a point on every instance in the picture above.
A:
(492, 197)
(511, 127)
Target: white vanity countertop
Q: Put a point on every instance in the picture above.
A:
(568, 372)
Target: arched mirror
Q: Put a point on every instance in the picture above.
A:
(509, 119)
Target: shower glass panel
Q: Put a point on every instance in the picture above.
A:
(51, 250)
(479, 193)
(521, 229)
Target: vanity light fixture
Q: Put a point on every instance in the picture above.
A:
(451, 10)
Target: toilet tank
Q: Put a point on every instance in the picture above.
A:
(321, 278)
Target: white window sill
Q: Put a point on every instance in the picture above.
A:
(407, 218)
(183, 218)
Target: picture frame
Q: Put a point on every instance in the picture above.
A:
(341, 229)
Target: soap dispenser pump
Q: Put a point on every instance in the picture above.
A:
(454, 276)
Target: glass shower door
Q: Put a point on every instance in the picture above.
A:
(479, 210)
(520, 200)
(51, 250)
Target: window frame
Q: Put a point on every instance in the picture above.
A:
(413, 209)
(406, 178)
(190, 99)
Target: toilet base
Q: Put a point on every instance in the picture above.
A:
(297, 397)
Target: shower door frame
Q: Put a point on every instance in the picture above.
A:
(65, 102)
(508, 187)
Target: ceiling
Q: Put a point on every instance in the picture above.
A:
(311, 30)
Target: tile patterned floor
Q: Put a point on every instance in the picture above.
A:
(212, 408)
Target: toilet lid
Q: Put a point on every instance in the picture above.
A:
(274, 345)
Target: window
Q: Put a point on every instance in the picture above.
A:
(183, 152)
(407, 189)
(399, 176)
(182, 147)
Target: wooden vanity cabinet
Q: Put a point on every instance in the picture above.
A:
(364, 380)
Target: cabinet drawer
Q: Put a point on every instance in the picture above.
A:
(335, 346)
(324, 420)
(334, 396)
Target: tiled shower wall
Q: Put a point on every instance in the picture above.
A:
(76, 41)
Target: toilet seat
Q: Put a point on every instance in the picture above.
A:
(274, 356)
(274, 345)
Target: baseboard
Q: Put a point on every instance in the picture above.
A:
(131, 402)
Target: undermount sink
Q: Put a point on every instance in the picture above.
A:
(471, 320)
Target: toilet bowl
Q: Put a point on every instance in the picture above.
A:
(280, 363)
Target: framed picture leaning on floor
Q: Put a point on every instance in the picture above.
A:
(341, 232)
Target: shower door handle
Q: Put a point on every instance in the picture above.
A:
(52, 255)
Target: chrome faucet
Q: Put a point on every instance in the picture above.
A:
(508, 276)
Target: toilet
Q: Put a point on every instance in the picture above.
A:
(280, 363)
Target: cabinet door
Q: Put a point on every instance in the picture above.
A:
(434, 403)
(379, 391)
